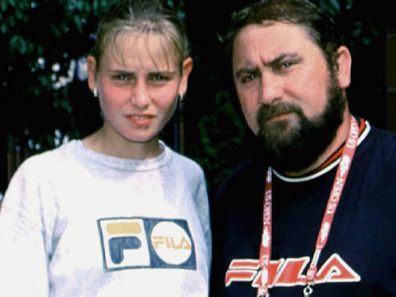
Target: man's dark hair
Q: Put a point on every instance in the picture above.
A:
(320, 27)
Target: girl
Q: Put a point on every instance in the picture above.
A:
(117, 213)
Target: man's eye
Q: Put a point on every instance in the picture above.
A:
(285, 65)
(247, 77)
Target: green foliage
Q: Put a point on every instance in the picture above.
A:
(222, 136)
(355, 23)
(39, 44)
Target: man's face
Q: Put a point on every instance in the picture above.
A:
(287, 93)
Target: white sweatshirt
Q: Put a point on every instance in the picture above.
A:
(77, 223)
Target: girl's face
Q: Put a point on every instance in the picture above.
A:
(138, 82)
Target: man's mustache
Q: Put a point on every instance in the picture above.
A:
(268, 111)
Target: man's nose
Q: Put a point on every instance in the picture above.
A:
(270, 88)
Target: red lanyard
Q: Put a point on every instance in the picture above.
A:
(327, 220)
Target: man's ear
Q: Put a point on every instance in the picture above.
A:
(344, 63)
(91, 69)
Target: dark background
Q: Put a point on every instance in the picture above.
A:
(36, 116)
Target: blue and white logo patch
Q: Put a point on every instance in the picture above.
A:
(138, 242)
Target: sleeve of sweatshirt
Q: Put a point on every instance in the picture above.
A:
(203, 208)
(23, 256)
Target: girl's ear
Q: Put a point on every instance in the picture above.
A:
(186, 70)
(344, 63)
(91, 69)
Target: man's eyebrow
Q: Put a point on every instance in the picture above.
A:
(282, 57)
(279, 59)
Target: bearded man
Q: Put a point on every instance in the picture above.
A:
(313, 212)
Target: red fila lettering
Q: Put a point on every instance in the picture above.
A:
(289, 272)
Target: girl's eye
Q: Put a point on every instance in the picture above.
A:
(122, 77)
(158, 77)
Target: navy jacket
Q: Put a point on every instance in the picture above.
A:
(360, 256)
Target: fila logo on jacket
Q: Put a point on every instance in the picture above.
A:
(289, 272)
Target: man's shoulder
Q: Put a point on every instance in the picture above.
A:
(383, 141)
(384, 135)
(246, 169)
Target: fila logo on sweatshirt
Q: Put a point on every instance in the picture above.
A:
(140, 242)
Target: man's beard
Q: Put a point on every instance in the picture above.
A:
(295, 146)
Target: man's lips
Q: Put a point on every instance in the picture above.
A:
(279, 116)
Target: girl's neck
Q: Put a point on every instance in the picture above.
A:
(117, 146)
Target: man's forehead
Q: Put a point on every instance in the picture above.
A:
(271, 35)
(269, 42)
